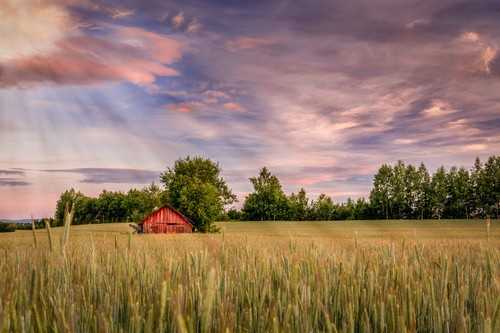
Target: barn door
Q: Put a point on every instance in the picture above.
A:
(179, 229)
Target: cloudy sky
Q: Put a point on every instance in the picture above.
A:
(101, 94)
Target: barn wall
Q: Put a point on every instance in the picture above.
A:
(166, 220)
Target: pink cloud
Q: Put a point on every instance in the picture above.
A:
(245, 43)
(31, 27)
(126, 54)
(215, 94)
(180, 107)
(185, 106)
(178, 20)
(308, 180)
(193, 26)
(232, 106)
(161, 48)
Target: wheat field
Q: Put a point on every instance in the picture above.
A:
(356, 276)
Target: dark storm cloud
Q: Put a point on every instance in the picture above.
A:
(112, 176)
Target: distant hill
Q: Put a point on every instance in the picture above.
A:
(22, 221)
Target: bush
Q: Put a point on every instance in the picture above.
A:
(7, 227)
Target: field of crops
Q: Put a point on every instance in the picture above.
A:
(373, 276)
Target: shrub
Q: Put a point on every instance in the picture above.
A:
(7, 227)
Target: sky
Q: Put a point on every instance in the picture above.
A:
(106, 94)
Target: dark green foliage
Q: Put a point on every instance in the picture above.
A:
(298, 206)
(194, 187)
(67, 198)
(323, 208)
(268, 201)
(7, 227)
(234, 214)
(402, 192)
(132, 206)
(399, 192)
(381, 195)
(489, 183)
(439, 193)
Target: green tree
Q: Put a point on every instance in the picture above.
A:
(67, 198)
(458, 188)
(323, 208)
(411, 190)
(439, 192)
(298, 206)
(86, 210)
(234, 214)
(360, 209)
(112, 207)
(490, 186)
(399, 195)
(195, 187)
(268, 201)
(381, 196)
(477, 188)
(422, 192)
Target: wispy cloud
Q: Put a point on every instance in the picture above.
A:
(327, 98)
(178, 20)
(247, 43)
(29, 28)
(12, 182)
(112, 176)
(233, 106)
(12, 172)
(128, 54)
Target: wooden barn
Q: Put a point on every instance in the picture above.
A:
(166, 220)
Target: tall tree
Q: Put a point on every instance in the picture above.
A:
(423, 189)
(398, 184)
(195, 187)
(490, 185)
(323, 208)
(68, 198)
(476, 185)
(298, 206)
(439, 192)
(268, 201)
(381, 195)
(459, 192)
(411, 189)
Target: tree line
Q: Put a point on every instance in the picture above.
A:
(110, 206)
(399, 192)
(195, 187)
(405, 191)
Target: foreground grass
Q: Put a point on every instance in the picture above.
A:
(290, 277)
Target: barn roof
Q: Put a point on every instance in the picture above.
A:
(188, 220)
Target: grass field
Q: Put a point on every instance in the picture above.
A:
(357, 276)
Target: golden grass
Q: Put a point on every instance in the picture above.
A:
(284, 277)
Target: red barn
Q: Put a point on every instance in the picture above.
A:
(166, 220)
